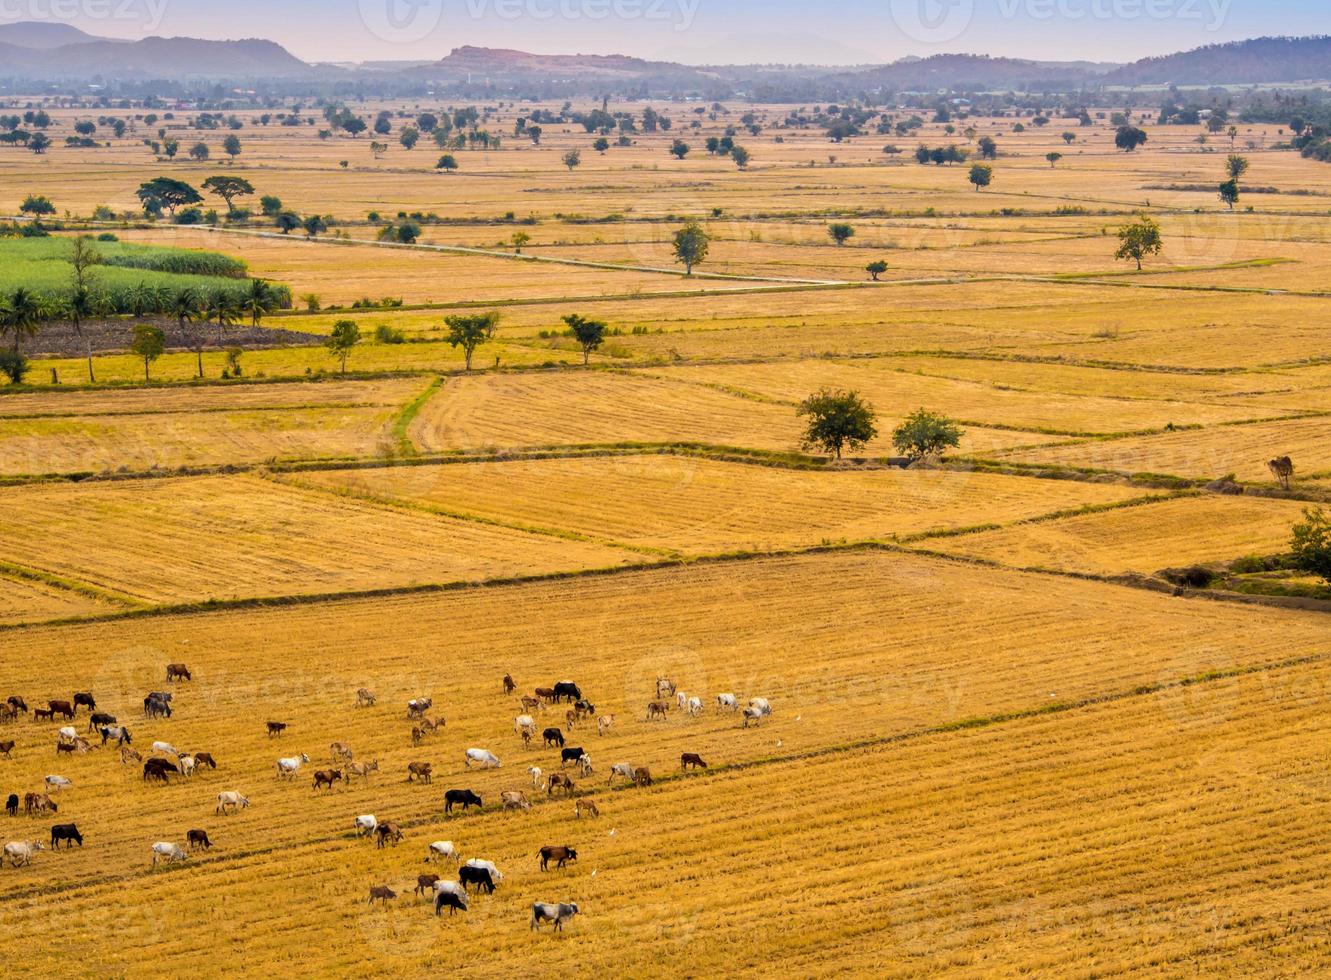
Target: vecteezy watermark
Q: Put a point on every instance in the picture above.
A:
(401, 21)
(1212, 13)
(680, 13)
(147, 13)
(932, 21)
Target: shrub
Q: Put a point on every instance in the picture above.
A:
(13, 365)
(384, 334)
(1311, 543)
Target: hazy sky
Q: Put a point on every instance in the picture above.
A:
(833, 31)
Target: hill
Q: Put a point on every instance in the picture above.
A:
(156, 57)
(43, 36)
(1263, 59)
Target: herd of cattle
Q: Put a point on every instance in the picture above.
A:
(166, 762)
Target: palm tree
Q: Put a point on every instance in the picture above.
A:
(185, 307)
(21, 315)
(259, 300)
(222, 307)
(81, 305)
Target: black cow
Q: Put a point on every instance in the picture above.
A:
(11, 805)
(455, 903)
(85, 699)
(100, 719)
(571, 755)
(567, 689)
(67, 832)
(480, 877)
(462, 797)
(553, 736)
(154, 707)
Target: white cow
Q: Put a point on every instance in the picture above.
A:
(56, 783)
(524, 723)
(483, 758)
(232, 800)
(452, 887)
(20, 852)
(187, 764)
(441, 849)
(727, 702)
(68, 735)
(166, 748)
(624, 769)
(761, 705)
(682, 699)
(537, 777)
(168, 852)
(694, 707)
(489, 866)
(558, 913)
(585, 764)
(604, 723)
(752, 715)
(288, 768)
(366, 825)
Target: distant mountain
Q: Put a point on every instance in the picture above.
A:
(973, 72)
(42, 35)
(158, 57)
(1263, 59)
(507, 64)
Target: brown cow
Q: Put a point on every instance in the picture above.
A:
(204, 759)
(327, 777)
(388, 831)
(6, 747)
(658, 709)
(425, 884)
(559, 780)
(197, 839)
(557, 854)
(63, 708)
(509, 685)
(383, 893)
(642, 776)
(691, 759)
(362, 769)
(515, 799)
(276, 728)
(178, 672)
(38, 803)
(530, 704)
(43, 714)
(587, 806)
(16, 702)
(547, 694)
(424, 770)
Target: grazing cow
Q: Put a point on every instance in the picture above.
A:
(85, 699)
(166, 696)
(417, 707)
(751, 715)
(559, 781)
(178, 672)
(567, 689)
(197, 839)
(117, 733)
(67, 734)
(691, 759)
(100, 719)
(422, 769)
(425, 884)
(62, 708)
(165, 748)
(585, 765)
(6, 747)
(537, 777)
(167, 852)
(128, 755)
(327, 777)
(362, 769)
(454, 901)
(365, 825)
(694, 707)
(464, 798)
(381, 893)
(481, 757)
(585, 806)
(658, 709)
(665, 687)
(571, 755)
(159, 769)
(55, 784)
(287, 768)
(416, 736)
(386, 832)
(230, 800)
(584, 708)
(20, 852)
(681, 699)
(604, 724)
(8, 713)
(67, 832)
(524, 723)
(727, 702)
(340, 752)
(761, 705)
(451, 887)
(205, 759)
(17, 703)
(187, 764)
(155, 707)
(509, 685)
(553, 736)
(480, 877)
(515, 799)
(66, 747)
(441, 849)
(556, 913)
(557, 854)
(642, 776)
(571, 718)
(546, 694)
(38, 803)
(489, 866)
(43, 714)
(624, 769)
(11, 805)
(276, 728)
(530, 703)
(365, 698)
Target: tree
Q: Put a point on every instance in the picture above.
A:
(690, 245)
(426, 122)
(987, 147)
(186, 308)
(447, 163)
(1128, 138)
(167, 192)
(21, 315)
(313, 225)
(14, 365)
(838, 420)
(1236, 166)
(149, 344)
(345, 335)
(231, 146)
(601, 145)
(228, 189)
(270, 205)
(259, 300)
(170, 148)
(287, 221)
(469, 332)
(39, 143)
(221, 306)
(1053, 159)
(925, 434)
(1069, 137)
(409, 137)
(981, 175)
(1310, 543)
(534, 132)
(876, 268)
(199, 152)
(378, 149)
(81, 304)
(679, 149)
(840, 232)
(572, 159)
(520, 238)
(36, 205)
(1138, 240)
(740, 156)
(354, 125)
(1229, 193)
(590, 334)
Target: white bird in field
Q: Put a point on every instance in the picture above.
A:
(594, 870)
(612, 833)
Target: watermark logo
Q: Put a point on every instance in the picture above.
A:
(932, 21)
(679, 13)
(148, 14)
(1211, 13)
(401, 21)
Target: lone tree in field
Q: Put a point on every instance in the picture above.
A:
(840, 232)
(313, 225)
(447, 163)
(228, 189)
(1053, 158)
(1236, 166)
(679, 149)
(520, 238)
(287, 222)
(199, 152)
(876, 269)
(838, 420)
(741, 157)
(469, 332)
(572, 159)
(166, 192)
(1069, 138)
(981, 175)
(1128, 138)
(345, 335)
(1310, 543)
(925, 434)
(37, 205)
(231, 146)
(1282, 468)
(1229, 193)
(82, 303)
(1138, 240)
(690, 246)
(590, 334)
(149, 344)
(988, 148)
(601, 145)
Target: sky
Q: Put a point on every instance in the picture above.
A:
(700, 31)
